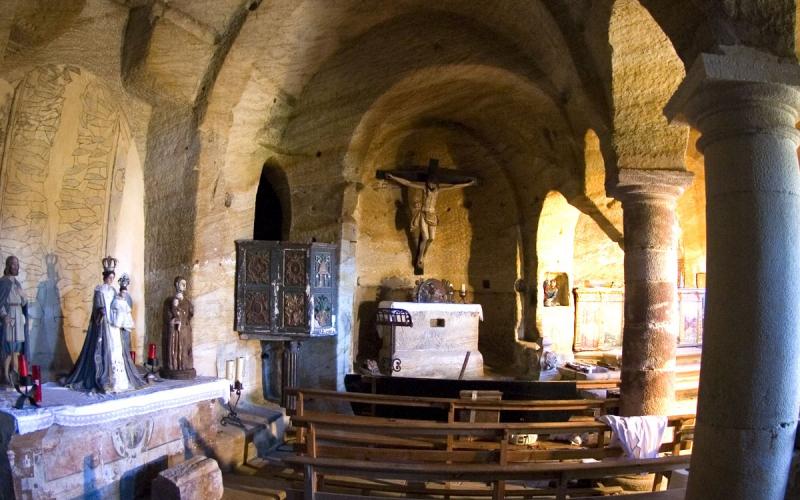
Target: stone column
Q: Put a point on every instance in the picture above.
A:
(649, 337)
(746, 109)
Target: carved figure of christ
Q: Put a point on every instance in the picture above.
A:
(423, 217)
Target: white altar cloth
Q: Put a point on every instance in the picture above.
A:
(70, 408)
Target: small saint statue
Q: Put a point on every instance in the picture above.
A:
(551, 293)
(177, 335)
(13, 318)
(423, 215)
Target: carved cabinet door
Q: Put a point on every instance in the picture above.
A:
(323, 275)
(285, 290)
(255, 297)
(292, 288)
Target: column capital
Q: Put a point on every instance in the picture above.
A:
(741, 91)
(640, 184)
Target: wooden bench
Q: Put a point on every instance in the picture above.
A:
(495, 474)
(451, 405)
(342, 444)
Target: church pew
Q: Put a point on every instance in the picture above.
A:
(451, 405)
(398, 441)
(421, 435)
(495, 474)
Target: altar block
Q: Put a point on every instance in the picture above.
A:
(79, 445)
(437, 344)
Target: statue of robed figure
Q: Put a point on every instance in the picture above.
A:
(177, 334)
(428, 184)
(13, 319)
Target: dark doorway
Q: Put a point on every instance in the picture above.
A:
(271, 205)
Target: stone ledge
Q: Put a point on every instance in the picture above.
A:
(69, 408)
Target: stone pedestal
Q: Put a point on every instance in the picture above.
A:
(650, 332)
(198, 477)
(79, 445)
(438, 343)
(745, 104)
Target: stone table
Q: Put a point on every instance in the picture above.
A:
(438, 343)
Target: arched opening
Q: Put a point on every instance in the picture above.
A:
(271, 213)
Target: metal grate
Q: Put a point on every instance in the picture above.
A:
(393, 317)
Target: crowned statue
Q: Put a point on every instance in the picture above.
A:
(104, 364)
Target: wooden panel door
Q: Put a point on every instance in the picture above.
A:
(255, 298)
(324, 282)
(292, 288)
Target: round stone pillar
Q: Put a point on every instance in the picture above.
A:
(750, 373)
(649, 336)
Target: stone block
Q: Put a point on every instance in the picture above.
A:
(197, 478)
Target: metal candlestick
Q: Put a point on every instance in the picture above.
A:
(26, 388)
(232, 417)
(463, 295)
(151, 365)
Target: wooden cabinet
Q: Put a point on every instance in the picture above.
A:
(285, 291)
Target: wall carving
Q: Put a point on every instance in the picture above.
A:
(57, 178)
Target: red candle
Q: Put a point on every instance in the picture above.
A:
(133, 356)
(37, 383)
(22, 365)
(151, 352)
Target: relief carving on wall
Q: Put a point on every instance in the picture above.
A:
(55, 190)
(257, 268)
(256, 308)
(294, 268)
(294, 309)
(131, 439)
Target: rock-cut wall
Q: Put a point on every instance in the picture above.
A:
(66, 152)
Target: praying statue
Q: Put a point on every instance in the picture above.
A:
(423, 217)
(13, 318)
(177, 336)
(105, 364)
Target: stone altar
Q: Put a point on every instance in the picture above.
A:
(443, 336)
(110, 446)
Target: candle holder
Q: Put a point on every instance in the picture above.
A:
(27, 390)
(152, 366)
(232, 417)
(463, 294)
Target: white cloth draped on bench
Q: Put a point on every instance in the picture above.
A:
(639, 437)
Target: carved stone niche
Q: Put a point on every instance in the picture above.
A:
(285, 291)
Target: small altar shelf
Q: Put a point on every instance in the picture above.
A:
(80, 444)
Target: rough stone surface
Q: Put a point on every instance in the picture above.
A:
(120, 458)
(535, 98)
(199, 477)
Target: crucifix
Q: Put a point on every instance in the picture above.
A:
(423, 214)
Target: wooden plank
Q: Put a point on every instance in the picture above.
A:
(509, 405)
(406, 455)
(676, 494)
(376, 439)
(493, 472)
(411, 426)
